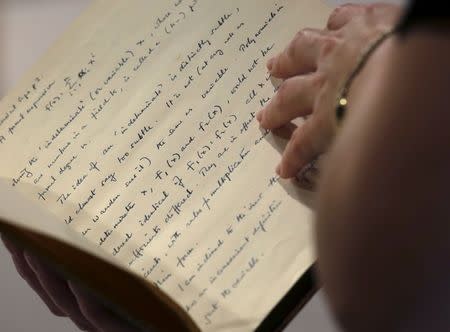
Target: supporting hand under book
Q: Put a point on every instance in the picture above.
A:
(64, 298)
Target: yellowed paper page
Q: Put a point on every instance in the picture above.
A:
(16, 209)
(138, 131)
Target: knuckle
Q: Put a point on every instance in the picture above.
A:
(311, 36)
(323, 127)
(289, 163)
(303, 143)
(329, 44)
(331, 22)
(276, 62)
(335, 14)
(299, 35)
(282, 95)
(306, 34)
(310, 32)
(292, 47)
(318, 80)
(297, 139)
(291, 50)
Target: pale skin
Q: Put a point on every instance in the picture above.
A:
(314, 67)
(383, 221)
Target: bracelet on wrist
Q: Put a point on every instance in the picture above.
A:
(342, 100)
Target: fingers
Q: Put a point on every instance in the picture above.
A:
(29, 276)
(305, 176)
(299, 151)
(379, 11)
(300, 57)
(97, 314)
(295, 98)
(312, 138)
(285, 131)
(313, 67)
(60, 293)
(344, 14)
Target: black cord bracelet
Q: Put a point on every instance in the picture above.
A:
(342, 100)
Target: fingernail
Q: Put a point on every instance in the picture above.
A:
(259, 116)
(278, 169)
(270, 64)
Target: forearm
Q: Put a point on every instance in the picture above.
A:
(383, 217)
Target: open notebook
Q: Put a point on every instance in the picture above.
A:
(132, 162)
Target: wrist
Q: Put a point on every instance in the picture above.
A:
(360, 70)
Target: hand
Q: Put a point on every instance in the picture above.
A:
(314, 68)
(64, 298)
